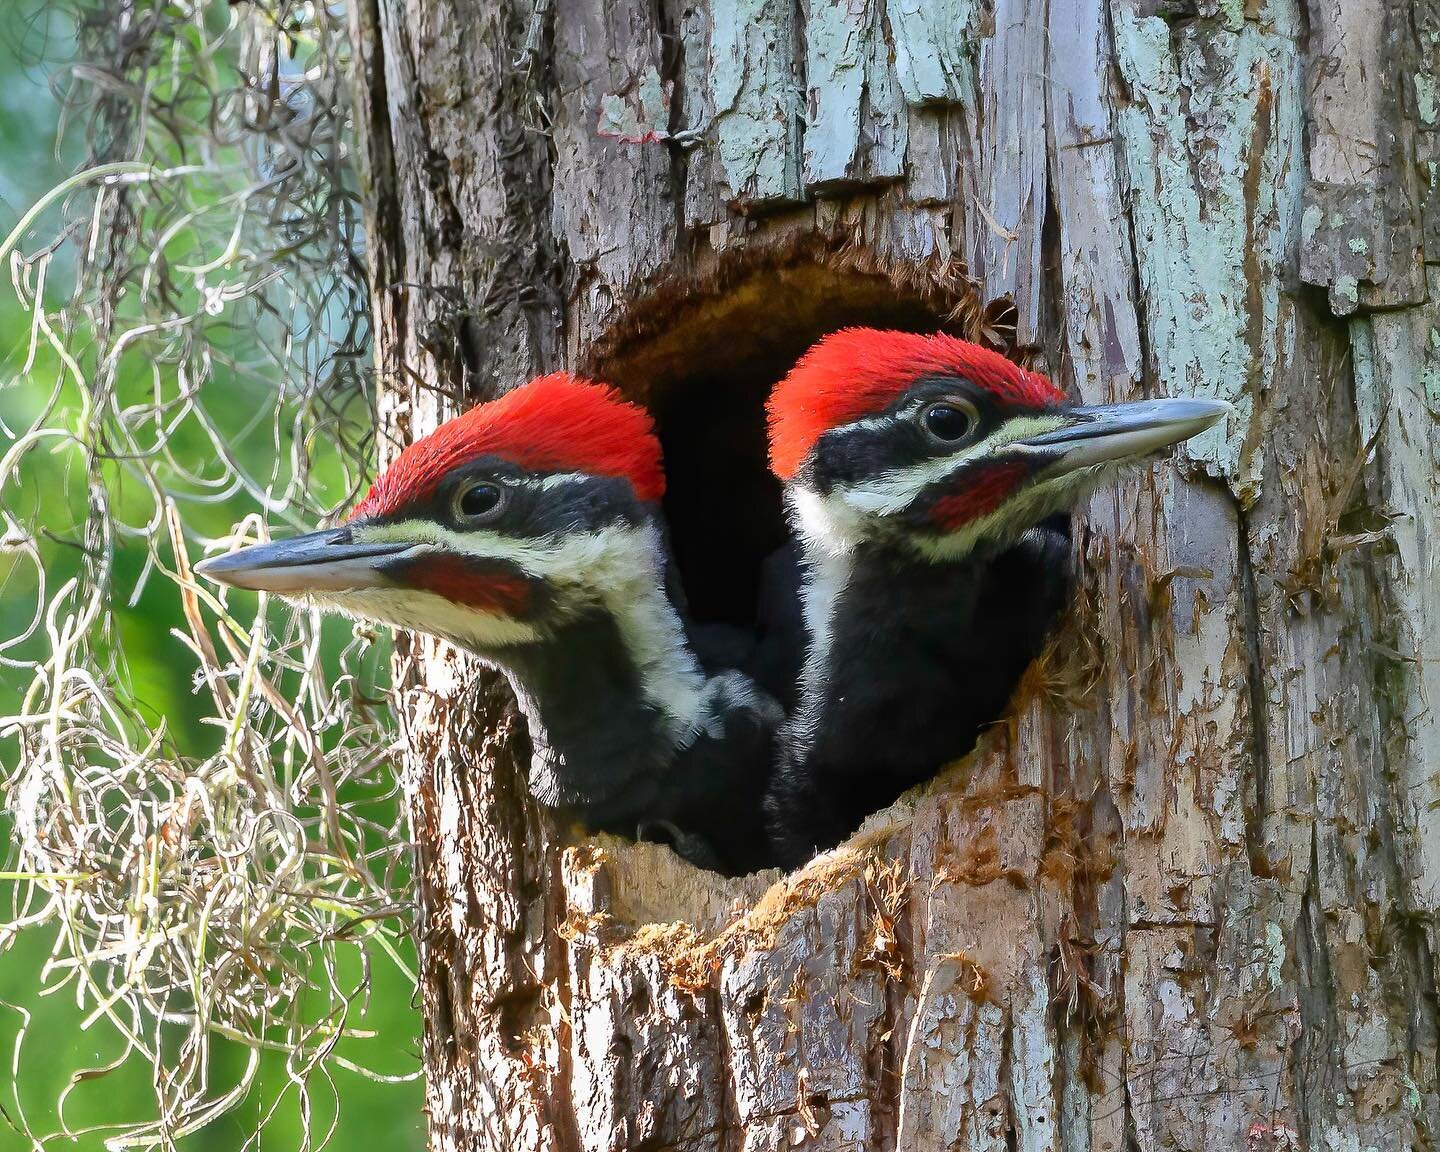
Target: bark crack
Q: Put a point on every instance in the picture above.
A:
(1258, 811)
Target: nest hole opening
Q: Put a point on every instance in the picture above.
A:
(704, 367)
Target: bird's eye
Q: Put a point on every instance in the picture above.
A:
(950, 420)
(481, 501)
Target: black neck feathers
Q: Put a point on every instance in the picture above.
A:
(912, 661)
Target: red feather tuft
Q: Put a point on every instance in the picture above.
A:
(858, 371)
(554, 423)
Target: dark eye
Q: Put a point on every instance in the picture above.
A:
(949, 421)
(480, 501)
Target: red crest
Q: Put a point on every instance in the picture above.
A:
(856, 372)
(554, 423)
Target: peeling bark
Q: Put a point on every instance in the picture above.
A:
(1187, 896)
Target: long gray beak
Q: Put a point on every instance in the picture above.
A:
(1109, 432)
(325, 561)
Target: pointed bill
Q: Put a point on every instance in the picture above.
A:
(1105, 433)
(325, 561)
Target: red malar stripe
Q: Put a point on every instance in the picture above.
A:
(985, 489)
(473, 583)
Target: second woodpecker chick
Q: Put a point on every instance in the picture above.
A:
(528, 531)
(923, 475)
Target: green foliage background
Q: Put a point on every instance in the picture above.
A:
(159, 674)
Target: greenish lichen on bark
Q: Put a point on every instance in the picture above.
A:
(1211, 140)
(754, 94)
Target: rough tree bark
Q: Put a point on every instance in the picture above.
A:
(1187, 897)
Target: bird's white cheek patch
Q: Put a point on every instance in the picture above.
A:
(425, 612)
(616, 568)
(892, 492)
(579, 560)
(827, 522)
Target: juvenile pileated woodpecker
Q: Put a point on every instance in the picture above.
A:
(528, 530)
(923, 477)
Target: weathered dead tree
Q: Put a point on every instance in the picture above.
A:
(1187, 896)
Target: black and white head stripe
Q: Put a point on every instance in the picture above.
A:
(949, 464)
(898, 472)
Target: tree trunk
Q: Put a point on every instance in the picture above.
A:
(1187, 897)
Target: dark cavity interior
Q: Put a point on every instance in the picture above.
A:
(705, 368)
